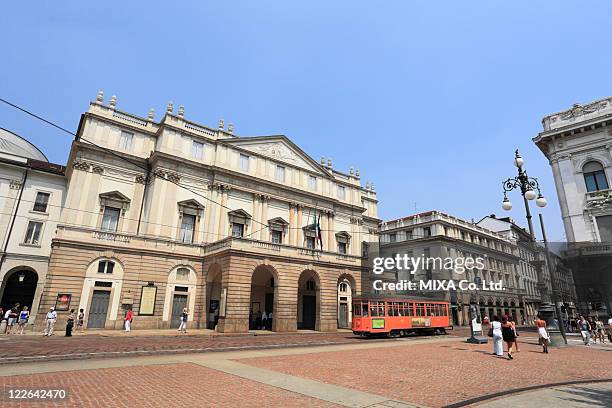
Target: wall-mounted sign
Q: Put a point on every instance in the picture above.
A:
(62, 303)
(147, 301)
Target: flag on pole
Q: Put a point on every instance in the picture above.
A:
(318, 231)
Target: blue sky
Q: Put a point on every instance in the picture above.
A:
(428, 99)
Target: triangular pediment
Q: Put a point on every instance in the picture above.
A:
(239, 213)
(279, 148)
(278, 221)
(115, 196)
(191, 203)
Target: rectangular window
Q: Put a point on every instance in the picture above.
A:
(42, 200)
(244, 162)
(237, 230)
(427, 232)
(342, 247)
(341, 193)
(277, 237)
(280, 174)
(392, 237)
(187, 228)
(33, 233)
(357, 309)
(106, 266)
(110, 219)
(197, 150)
(408, 234)
(312, 183)
(125, 141)
(310, 242)
(604, 225)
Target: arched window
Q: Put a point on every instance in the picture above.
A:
(106, 266)
(594, 176)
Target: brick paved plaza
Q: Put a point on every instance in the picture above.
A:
(326, 370)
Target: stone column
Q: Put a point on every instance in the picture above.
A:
(325, 227)
(299, 233)
(331, 233)
(256, 216)
(291, 227)
(223, 221)
(264, 232)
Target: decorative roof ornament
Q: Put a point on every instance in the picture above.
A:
(100, 97)
(151, 114)
(372, 186)
(323, 161)
(352, 171)
(329, 163)
(357, 173)
(367, 187)
(230, 128)
(170, 108)
(181, 111)
(221, 124)
(113, 102)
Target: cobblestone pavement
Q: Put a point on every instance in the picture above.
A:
(185, 385)
(15, 348)
(442, 374)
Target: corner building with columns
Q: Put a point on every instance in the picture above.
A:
(162, 216)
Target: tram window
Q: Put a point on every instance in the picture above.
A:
(430, 311)
(357, 309)
(420, 309)
(397, 310)
(390, 309)
(378, 308)
(373, 310)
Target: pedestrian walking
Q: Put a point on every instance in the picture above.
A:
(9, 322)
(513, 323)
(128, 320)
(496, 333)
(508, 335)
(80, 320)
(600, 331)
(184, 316)
(264, 320)
(585, 331)
(610, 329)
(70, 323)
(12, 314)
(24, 316)
(50, 322)
(544, 337)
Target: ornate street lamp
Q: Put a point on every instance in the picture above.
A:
(530, 190)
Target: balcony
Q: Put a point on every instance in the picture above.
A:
(153, 244)
(599, 198)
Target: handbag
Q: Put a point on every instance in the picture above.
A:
(490, 334)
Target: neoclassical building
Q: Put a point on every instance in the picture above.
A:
(578, 144)
(434, 234)
(170, 214)
(31, 196)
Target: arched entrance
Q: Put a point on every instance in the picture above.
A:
(346, 286)
(308, 301)
(261, 306)
(19, 286)
(214, 282)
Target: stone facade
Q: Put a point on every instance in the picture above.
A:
(577, 144)
(31, 195)
(161, 216)
(435, 234)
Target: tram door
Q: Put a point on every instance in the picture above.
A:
(98, 309)
(343, 316)
(179, 302)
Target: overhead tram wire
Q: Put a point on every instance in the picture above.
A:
(111, 152)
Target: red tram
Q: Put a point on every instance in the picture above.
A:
(399, 317)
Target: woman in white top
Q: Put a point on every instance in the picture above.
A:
(498, 348)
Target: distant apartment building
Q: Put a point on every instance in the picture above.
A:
(31, 197)
(529, 253)
(170, 214)
(578, 144)
(436, 234)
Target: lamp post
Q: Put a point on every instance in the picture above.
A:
(530, 190)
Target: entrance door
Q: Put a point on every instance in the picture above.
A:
(309, 312)
(98, 309)
(343, 317)
(179, 302)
